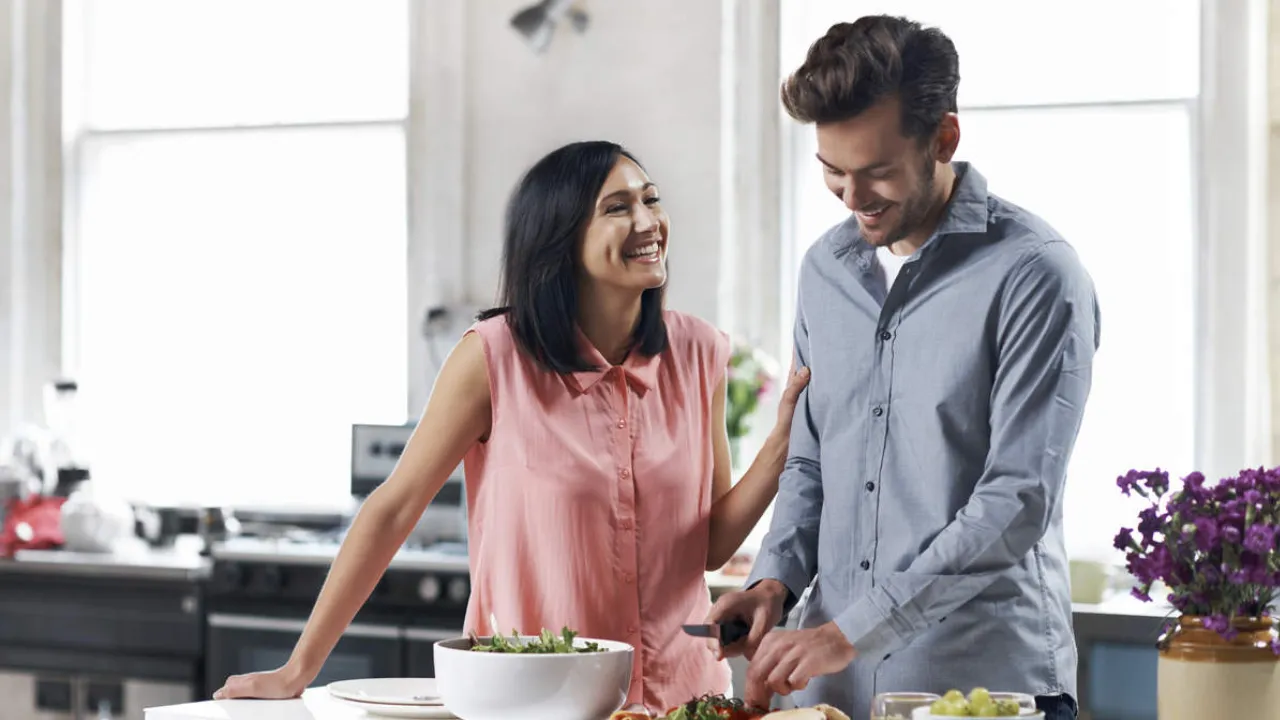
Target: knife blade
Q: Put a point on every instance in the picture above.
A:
(727, 633)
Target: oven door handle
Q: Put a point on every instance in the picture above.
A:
(271, 624)
(427, 635)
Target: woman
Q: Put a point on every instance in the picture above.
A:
(591, 424)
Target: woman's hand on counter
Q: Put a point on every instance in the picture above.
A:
(284, 683)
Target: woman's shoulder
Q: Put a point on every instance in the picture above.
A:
(494, 331)
(692, 338)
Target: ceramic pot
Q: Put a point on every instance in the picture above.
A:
(1200, 675)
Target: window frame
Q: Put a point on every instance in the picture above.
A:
(434, 128)
(1232, 403)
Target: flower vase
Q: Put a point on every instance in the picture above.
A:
(1201, 675)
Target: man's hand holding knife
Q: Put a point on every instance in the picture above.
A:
(781, 661)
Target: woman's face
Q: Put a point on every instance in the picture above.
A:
(625, 243)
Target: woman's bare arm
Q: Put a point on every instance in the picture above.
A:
(457, 416)
(736, 508)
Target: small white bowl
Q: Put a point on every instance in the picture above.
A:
(924, 714)
(515, 686)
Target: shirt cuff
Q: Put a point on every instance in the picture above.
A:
(866, 625)
(771, 566)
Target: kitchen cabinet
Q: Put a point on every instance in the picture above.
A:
(89, 636)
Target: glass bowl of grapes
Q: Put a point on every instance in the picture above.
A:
(901, 705)
(980, 702)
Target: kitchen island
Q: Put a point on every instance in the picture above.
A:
(315, 704)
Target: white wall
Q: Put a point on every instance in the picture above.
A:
(646, 75)
(689, 87)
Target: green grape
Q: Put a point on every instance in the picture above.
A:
(987, 710)
(1008, 708)
(949, 708)
(979, 696)
(954, 696)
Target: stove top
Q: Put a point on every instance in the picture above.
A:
(320, 548)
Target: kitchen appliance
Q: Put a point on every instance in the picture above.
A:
(76, 645)
(375, 450)
(262, 590)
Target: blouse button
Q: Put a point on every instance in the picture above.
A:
(624, 474)
(627, 578)
(622, 423)
(625, 524)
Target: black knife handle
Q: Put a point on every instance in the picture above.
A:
(731, 631)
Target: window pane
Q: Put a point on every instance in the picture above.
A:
(1120, 193)
(161, 63)
(242, 303)
(1014, 52)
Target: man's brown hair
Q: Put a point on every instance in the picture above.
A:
(855, 65)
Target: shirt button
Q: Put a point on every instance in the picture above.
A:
(871, 487)
(624, 473)
(865, 564)
(625, 524)
(622, 423)
(886, 335)
(631, 630)
(877, 411)
(627, 578)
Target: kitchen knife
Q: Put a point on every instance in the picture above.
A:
(727, 633)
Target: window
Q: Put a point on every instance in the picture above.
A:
(1101, 145)
(237, 242)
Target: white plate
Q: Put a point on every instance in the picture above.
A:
(422, 712)
(389, 691)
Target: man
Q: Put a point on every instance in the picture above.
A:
(951, 336)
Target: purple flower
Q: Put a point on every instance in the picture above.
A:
(1128, 482)
(1220, 624)
(1148, 524)
(1231, 534)
(1238, 577)
(1206, 533)
(1275, 646)
(1260, 539)
(1124, 539)
(1140, 594)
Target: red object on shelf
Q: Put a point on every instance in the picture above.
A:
(32, 524)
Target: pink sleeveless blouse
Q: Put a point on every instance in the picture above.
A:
(588, 505)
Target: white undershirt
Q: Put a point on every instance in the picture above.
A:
(889, 264)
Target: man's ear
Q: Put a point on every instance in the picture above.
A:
(947, 138)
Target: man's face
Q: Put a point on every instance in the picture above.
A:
(884, 177)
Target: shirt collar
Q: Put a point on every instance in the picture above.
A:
(966, 212)
(639, 369)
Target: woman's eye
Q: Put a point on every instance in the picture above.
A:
(653, 200)
(615, 209)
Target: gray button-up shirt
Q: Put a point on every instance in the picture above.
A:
(928, 455)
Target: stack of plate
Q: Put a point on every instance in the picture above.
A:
(392, 697)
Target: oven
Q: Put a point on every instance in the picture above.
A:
(245, 643)
(262, 592)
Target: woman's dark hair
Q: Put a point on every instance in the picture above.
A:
(546, 218)
(855, 65)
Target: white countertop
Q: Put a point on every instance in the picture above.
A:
(315, 704)
(131, 558)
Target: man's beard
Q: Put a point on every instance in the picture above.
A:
(916, 208)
